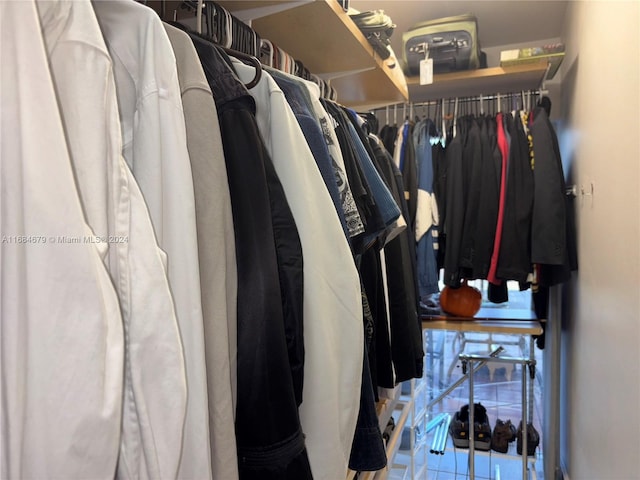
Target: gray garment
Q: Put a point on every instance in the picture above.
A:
(216, 251)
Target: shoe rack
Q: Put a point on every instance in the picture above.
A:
(510, 324)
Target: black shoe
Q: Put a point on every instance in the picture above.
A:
(459, 428)
(533, 439)
(503, 434)
(481, 428)
(388, 431)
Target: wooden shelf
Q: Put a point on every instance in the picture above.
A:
(483, 81)
(321, 35)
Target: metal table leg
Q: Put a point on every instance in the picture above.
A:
(527, 402)
(472, 442)
(525, 407)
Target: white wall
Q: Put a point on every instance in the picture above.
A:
(600, 142)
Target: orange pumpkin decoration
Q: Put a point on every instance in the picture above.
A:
(463, 301)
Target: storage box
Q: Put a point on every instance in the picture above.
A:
(553, 53)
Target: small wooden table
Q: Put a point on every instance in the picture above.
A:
(488, 319)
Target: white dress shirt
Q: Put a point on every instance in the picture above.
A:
(155, 384)
(61, 340)
(155, 147)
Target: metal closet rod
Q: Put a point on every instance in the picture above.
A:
(474, 98)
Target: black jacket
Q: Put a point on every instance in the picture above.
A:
(270, 342)
(474, 168)
(514, 261)
(400, 259)
(456, 202)
(553, 237)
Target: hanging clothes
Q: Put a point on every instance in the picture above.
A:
(456, 201)
(400, 261)
(398, 331)
(62, 339)
(153, 417)
(332, 296)
(207, 313)
(484, 198)
(295, 95)
(155, 147)
(426, 210)
(488, 186)
(352, 216)
(374, 225)
(514, 260)
(474, 166)
(439, 192)
(387, 205)
(270, 342)
(216, 252)
(553, 238)
(380, 361)
(400, 266)
(367, 451)
(503, 147)
(388, 136)
(370, 267)
(409, 169)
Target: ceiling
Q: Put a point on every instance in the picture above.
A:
(500, 22)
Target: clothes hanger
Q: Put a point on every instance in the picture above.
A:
(444, 125)
(455, 118)
(251, 60)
